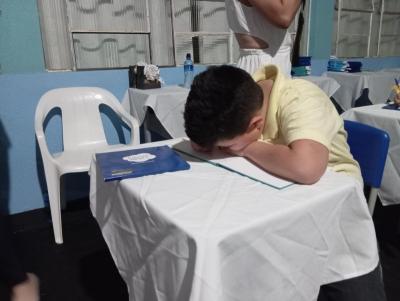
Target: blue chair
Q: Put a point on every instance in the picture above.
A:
(369, 146)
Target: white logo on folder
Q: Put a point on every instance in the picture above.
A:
(142, 157)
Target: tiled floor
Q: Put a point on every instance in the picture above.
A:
(82, 268)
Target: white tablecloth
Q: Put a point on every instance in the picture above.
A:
(388, 120)
(327, 84)
(207, 234)
(379, 83)
(394, 71)
(168, 104)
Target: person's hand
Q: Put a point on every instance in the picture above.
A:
(240, 152)
(238, 145)
(27, 290)
(199, 148)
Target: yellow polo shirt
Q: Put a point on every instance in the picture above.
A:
(298, 109)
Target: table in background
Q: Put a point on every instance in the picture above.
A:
(388, 120)
(379, 84)
(395, 71)
(168, 103)
(327, 84)
(208, 234)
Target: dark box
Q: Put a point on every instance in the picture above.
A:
(138, 80)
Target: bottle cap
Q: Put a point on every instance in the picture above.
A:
(188, 56)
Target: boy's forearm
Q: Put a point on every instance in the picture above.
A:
(304, 163)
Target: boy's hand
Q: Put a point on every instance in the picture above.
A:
(199, 148)
(238, 145)
(233, 152)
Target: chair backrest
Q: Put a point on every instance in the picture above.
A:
(369, 146)
(363, 100)
(81, 120)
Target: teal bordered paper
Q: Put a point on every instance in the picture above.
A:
(234, 164)
(139, 162)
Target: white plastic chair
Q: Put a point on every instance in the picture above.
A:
(83, 135)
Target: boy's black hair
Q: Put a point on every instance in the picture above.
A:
(221, 102)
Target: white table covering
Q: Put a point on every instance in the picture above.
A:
(388, 120)
(207, 234)
(327, 84)
(379, 83)
(395, 71)
(168, 104)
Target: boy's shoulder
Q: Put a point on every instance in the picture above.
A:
(302, 83)
(303, 87)
(303, 93)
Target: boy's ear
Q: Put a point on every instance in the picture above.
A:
(255, 122)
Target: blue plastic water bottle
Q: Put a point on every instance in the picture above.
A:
(188, 71)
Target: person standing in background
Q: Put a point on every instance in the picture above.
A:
(261, 29)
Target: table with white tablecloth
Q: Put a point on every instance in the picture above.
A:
(352, 85)
(208, 234)
(388, 120)
(168, 104)
(326, 84)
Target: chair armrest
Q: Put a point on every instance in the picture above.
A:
(41, 139)
(134, 125)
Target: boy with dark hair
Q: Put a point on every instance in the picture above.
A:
(221, 108)
(288, 127)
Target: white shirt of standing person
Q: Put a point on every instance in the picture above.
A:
(246, 17)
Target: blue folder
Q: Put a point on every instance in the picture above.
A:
(139, 162)
(392, 107)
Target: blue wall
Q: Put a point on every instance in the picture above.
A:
(20, 41)
(321, 28)
(24, 80)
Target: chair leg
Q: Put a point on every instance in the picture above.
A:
(373, 195)
(53, 187)
(63, 201)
